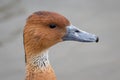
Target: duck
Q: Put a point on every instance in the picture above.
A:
(42, 30)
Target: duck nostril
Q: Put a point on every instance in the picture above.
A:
(77, 31)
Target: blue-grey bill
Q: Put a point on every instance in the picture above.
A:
(75, 34)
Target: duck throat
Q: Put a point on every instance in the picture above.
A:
(39, 68)
(39, 61)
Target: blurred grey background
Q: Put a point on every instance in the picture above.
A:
(70, 60)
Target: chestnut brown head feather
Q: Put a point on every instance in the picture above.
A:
(43, 29)
(46, 17)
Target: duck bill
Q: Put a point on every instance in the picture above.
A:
(75, 34)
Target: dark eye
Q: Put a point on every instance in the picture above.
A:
(52, 25)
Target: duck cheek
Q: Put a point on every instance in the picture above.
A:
(38, 36)
(59, 38)
(48, 42)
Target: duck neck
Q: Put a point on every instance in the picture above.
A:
(39, 68)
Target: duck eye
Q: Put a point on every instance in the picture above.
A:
(52, 25)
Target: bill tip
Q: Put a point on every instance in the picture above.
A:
(97, 40)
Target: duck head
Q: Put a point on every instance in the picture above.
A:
(44, 29)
